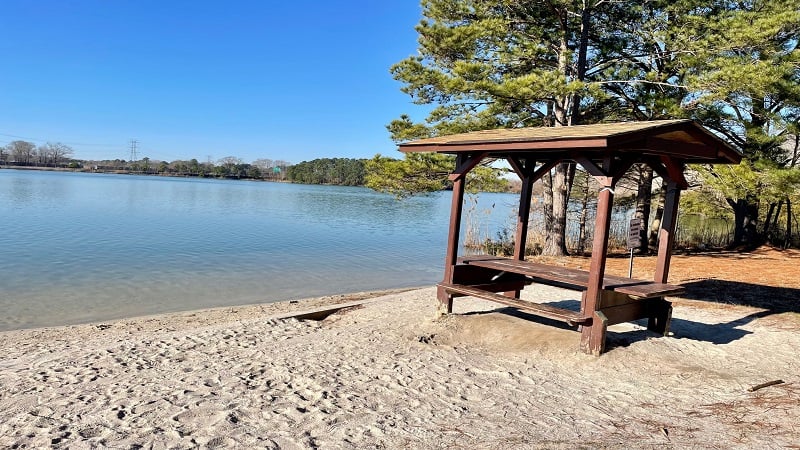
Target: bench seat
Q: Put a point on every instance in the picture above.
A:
(551, 312)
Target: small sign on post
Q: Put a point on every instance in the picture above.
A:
(634, 240)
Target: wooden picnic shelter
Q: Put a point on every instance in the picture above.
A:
(606, 152)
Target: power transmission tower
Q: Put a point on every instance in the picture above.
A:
(134, 155)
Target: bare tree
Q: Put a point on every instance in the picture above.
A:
(54, 153)
(229, 161)
(22, 152)
(263, 164)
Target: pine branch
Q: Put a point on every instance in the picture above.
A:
(639, 81)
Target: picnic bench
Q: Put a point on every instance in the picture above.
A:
(606, 151)
(622, 299)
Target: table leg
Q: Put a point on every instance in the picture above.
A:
(445, 301)
(593, 337)
(660, 317)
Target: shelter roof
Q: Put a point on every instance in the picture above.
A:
(681, 139)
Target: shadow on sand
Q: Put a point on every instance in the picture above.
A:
(770, 300)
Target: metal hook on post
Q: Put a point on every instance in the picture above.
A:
(606, 188)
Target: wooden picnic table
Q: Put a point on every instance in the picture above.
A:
(606, 151)
(622, 299)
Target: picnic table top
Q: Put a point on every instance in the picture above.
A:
(574, 277)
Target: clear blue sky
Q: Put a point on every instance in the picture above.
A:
(292, 80)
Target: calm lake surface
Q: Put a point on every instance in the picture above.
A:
(77, 248)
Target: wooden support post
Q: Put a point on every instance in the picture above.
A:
(666, 235)
(523, 216)
(593, 337)
(661, 318)
(521, 237)
(456, 207)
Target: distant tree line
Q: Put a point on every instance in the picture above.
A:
(334, 171)
(58, 155)
(379, 171)
(338, 171)
(228, 167)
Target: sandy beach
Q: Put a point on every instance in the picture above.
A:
(389, 374)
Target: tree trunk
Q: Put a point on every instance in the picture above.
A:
(583, 50)
(582, 219)
(566, 111)
(655, 225)
(547, 204)
(788, 242)
(776, 216)
(644, 195)
(768, 220)
(745, 232)
(556, 240)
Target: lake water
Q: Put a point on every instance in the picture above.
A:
(76, 247)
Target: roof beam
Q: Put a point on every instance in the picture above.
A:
(522, 166)
(669, 169)
(675, 171)
(622, 167)
(657, 167)
(464, 163)
(601, 175)
(544, 168)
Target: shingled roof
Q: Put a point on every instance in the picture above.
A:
(681, 139)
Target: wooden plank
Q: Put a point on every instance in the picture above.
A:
(551, 312)
(626, 313)
(323, 311)
(645, 289)
(640, 288)
(535, 270)
(573, 278)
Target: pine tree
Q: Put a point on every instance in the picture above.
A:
(743, 72)
(507, 63)
(733, 66)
